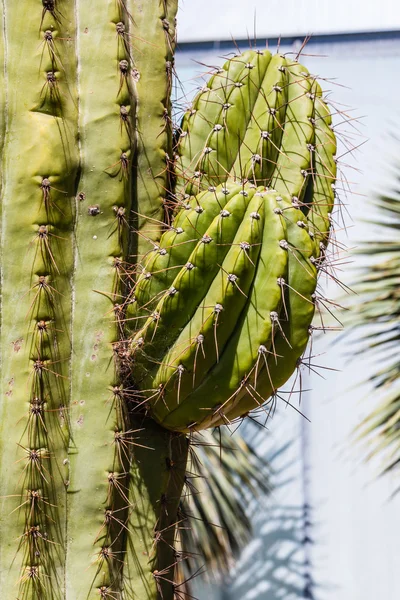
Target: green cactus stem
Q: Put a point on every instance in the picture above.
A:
(40, 164)
(88, 489)
(101, 441)
(153, 36)
(151, 546)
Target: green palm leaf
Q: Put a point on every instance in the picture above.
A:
(377, 324)
(226, 476)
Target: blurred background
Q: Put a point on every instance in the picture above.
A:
(330, 528)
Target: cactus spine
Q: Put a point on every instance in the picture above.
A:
(149, 289)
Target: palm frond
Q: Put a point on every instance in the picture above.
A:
(226, 476)
(376, 320)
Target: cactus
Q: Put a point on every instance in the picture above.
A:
(149, 287)
(224, 331)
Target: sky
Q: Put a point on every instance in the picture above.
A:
(206, 20)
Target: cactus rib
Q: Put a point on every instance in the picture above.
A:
(154, 38)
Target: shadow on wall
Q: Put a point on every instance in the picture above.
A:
(273, 565)
(276, 565)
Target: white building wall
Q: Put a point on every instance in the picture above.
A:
(222, 19)
(355, 553)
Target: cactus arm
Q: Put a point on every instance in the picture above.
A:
(98, 462)
(39, 169)
(153, 39)
(157, 478)
(285, 142)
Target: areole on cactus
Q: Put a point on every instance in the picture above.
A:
(152, 284)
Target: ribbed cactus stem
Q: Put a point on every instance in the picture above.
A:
(83, 480)
(100, 443)
(218, 336)
(40, 163)
(152, 552)
(154, 39)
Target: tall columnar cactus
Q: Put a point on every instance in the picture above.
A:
(148, 289)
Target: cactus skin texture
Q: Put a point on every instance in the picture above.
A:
(147, 289)
(40, 163)
(90, 492)
(227, 296)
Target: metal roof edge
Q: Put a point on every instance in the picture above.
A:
(318, 38)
